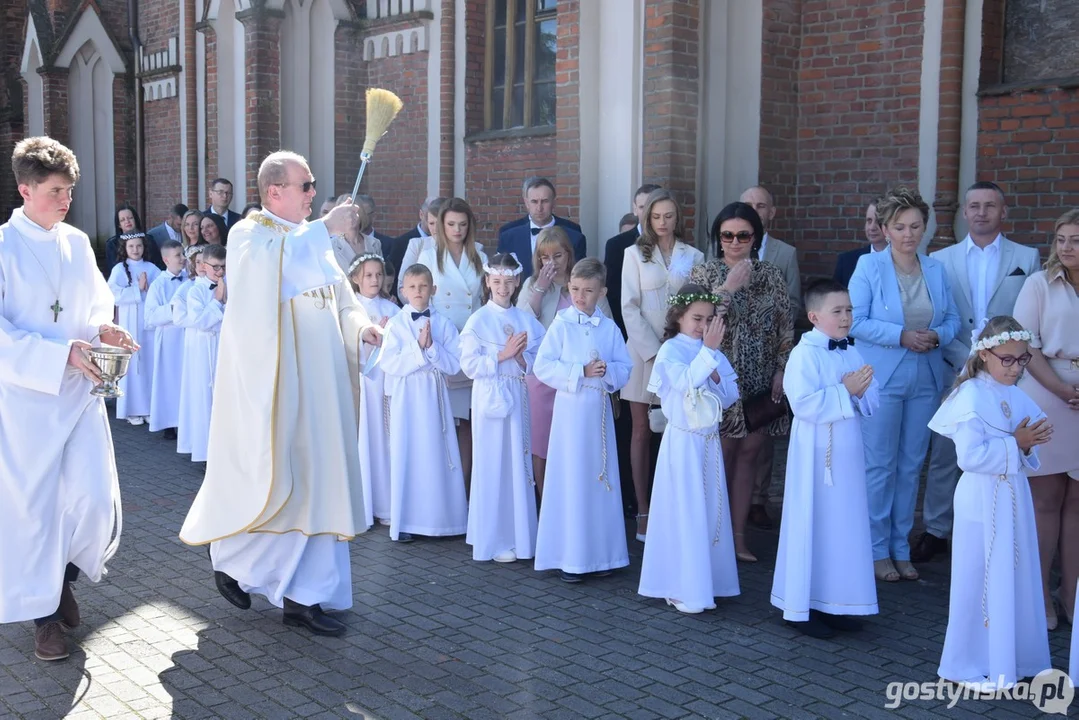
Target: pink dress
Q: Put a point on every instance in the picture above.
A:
(541, 404)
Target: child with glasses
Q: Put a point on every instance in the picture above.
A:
(996, 628)
(205, 310)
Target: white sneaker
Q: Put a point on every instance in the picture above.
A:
(683, 608)
(507, 556)
(136, 420)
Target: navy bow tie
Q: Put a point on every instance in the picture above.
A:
(840, 344)
(417, 315)
(537, 231)
(178, 277)
(213, 285)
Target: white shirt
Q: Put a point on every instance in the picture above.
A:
(982, 267)
(764, 244)
(173, 235)
(534, 226)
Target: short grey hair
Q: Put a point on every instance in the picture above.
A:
(274, 169)
(534, 182)
(426, 207)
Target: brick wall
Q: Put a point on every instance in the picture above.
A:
(671, 46)
(494, 171)
(158, 23)
(123, 127)
(397, 176)
(12, 103)
(781, 38)
(1028, 143)
(211, 110)
(858, 95)
(568, 110)
(350, 82)
(262, 88)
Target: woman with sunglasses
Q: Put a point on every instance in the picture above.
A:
(904, 313)
(1048, 306)
(760, 334)
(654, 268)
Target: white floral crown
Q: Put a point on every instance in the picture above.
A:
(510, 272)
(997, 340)
(360, 259)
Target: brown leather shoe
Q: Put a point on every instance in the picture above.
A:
(758, 517)
(69, 609)
(49, 641)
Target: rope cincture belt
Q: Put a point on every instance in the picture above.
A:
(711, 440)
(440, 390)
(603, 422)
(1002, 479)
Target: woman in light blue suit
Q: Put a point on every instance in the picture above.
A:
(903, 314)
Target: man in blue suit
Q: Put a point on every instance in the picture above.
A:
(220, 199)
(539, 197)
(846, 262)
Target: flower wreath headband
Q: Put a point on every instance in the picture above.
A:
(362, 258)
(129, 236)
(509, 272)
(690, 298)
(996, 340)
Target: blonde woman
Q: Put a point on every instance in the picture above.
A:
(1048, 306)
(544, 294)
(456, 265)
(653, 269)
(190, 229)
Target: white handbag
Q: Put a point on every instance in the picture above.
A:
(657, 421)
(496, 399)
(702, 409)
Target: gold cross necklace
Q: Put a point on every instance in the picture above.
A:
(55, 307)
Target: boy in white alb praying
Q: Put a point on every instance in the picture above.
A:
(498, 348)
(129, 281)
(178, 305)
(205, 311)
(996, 621)
(420, 349)
(584, 357)
(689, 557)
(366, 274)
(824, 565)
(168, 349)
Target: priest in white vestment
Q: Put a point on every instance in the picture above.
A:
(60, 495)
(283, 494)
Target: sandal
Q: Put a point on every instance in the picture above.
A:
(885, 571)
(641, 535)
(906, 570)
(745, 555)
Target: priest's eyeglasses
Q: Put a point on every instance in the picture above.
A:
(1009, 360)
(744, 238)
(306, 186)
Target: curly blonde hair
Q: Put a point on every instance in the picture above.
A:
(897, 200)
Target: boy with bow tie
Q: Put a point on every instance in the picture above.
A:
(584, 357)
(419, 350)
(205, 311)
(168, 347)
(824, 566)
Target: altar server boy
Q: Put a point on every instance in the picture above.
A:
(583, 356)
(178, 306)
(205, 311)
(420, 349)
(824, 566)
(168, 349)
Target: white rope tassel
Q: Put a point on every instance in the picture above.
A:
(440, 389)
(526, 428)
(828, 459)
(603, 436)
(1001, 479)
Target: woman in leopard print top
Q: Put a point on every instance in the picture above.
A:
(760, 334)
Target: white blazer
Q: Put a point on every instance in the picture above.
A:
(646, 286)
(549, 304)
(458, 288)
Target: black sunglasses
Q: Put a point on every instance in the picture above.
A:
(306, 186)
(743, 237)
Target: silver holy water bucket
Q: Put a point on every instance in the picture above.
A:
(112, 362)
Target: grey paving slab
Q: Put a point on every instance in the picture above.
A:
(436, 636)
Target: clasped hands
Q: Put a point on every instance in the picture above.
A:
(514, 349)
(919, 340)
(1027, 435)
(858, 381)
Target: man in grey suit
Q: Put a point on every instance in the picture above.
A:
(986, 271)
(783, 256)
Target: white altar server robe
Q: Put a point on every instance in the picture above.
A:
(204, 316)
(178, 306)
(825, 557)
(502, 506)
(689, 555)
(996, 615)
(168, 351)
(581, 527)
(131, 316)
(374, 417)
(58, 483)
(427, 488)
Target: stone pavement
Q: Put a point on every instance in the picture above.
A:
(435, 635)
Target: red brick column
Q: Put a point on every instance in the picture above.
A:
(211, 110)
(123, 133)
(350, 84)
(190, 92)
(949, 125)
(54, 89)
(262, 37)
(781, 44)
(568, 109)
(671, 47)
(447, 98)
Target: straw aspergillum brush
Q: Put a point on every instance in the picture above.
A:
(382, 108)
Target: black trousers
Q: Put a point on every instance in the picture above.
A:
(71, 574)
